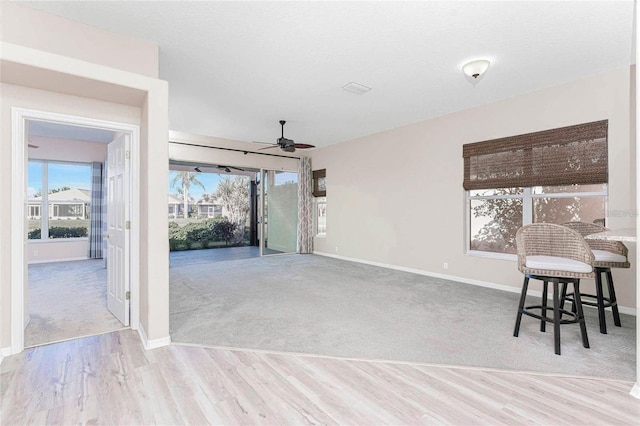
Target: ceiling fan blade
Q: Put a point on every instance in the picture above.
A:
(264, 143)
(303, 145)
(268, 147)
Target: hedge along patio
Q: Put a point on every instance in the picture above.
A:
(209, 233)
(59, 228)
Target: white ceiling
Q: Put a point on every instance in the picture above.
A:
(236, 68)
(69, 131)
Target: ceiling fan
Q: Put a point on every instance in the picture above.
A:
(287, 145)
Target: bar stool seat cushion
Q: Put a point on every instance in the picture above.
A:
(607, 256)
(554, 263)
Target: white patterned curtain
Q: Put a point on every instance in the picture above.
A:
(305, 207)
(96, 211)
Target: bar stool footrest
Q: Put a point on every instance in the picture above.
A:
(574, 316)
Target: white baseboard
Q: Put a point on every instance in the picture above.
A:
(66, 259)
(152, 344)
(510, 289)
(635, 391)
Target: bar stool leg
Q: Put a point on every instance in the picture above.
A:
(556, 315)
(583, 326)
(563, 297)
(523, 296)
(614, 301)
(600, 301)
(543, 323)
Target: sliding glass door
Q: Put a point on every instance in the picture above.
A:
(279, 224)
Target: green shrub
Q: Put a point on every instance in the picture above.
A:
(224, 231)
(60, 232)
(208, 233)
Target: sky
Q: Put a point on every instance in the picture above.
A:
(79, 176)
(60, 174)
(211, 180)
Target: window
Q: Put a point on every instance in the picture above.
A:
(320, 216)
(555, 176)
(496, 214)
(320, 183)
(63, 191)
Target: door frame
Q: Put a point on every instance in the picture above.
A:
(19, 117)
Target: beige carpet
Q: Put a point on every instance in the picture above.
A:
(318, 305)
(68, 300)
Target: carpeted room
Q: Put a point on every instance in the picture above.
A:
(319, 305)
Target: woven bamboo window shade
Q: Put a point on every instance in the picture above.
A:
(565, 156)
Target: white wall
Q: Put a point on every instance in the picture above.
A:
(396, 197)
(47, 32)
(56, 250)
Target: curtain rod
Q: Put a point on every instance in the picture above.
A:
(244, 151)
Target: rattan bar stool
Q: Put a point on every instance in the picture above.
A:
(608, 254)
(553, 254)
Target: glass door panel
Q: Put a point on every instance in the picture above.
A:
(279, 212)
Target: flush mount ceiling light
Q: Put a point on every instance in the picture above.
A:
(475, 69)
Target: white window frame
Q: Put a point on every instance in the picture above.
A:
(527, 196)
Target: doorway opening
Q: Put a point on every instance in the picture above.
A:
(76, 244)
(225, 212)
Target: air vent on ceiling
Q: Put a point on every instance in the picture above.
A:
(356, 88)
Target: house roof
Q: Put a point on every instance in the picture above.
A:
(73, 194)
(173, 199)
(290, 60)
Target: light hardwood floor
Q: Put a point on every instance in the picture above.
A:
(111, 379)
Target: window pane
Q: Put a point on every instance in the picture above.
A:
(69, 200)
(494, 224)
(321, 215)
(560, 210)
(495, 191)
(601, 187)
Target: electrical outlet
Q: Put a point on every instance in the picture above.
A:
(35, 253)
(445, 265)
(336, 249)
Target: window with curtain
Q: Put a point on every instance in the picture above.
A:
(555, 176)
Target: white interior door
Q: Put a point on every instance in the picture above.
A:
(117, 235)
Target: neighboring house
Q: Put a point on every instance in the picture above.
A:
(175, 206)
(207, 209)
(69, 204)
(203, 209)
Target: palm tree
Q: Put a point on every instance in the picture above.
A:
(186, 179)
